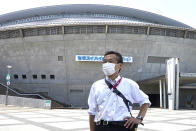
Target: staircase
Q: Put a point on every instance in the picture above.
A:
(15, 92)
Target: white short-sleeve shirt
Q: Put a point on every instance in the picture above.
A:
(106, 105)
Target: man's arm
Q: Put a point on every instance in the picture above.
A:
(143, 109)
(91, 122)
(131, 120)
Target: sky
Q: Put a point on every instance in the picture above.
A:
(180, 10)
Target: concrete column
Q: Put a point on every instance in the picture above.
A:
(171, 83)
(148, 30)
(185, 34)
(21, 33)
(106, 29)
(164, 95)
(161, 98)
(63, 30)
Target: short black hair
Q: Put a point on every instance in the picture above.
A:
(118, 56)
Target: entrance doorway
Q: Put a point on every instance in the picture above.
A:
(154, 99)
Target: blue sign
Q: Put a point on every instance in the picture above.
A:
(99, 58)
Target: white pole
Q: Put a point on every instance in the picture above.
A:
(161, 98)
(164, 94)
(8, 79)
(171, 83)
(177, 83)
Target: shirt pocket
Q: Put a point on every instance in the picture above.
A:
(121, 105)
(102, 96)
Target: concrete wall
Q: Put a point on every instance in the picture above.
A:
(26, 102)
(39, 55)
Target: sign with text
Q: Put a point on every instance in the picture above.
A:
(47, 102)
(99, 58)
(8, 83)
(8, 77)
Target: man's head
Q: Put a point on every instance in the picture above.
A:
(118, 57)
(112, 63)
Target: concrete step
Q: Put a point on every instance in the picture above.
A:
(54, 103)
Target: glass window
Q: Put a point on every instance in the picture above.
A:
(34, 76)
(24, 76)
(15, 76)
(52, 76)
(60, 58)
(43, 76)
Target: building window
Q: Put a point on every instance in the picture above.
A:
(24, 76)
(43, 76)
(52, 76)
(60, 58)
(15, 76)
(34, 76)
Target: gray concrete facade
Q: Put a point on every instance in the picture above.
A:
(39, 55)
(26, 102)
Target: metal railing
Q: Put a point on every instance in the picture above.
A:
(22, 94)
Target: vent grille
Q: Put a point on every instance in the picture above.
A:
(191, 35)
(9, 34)
(42, 31)
(127, 29)
(89, 29)
(84, 29)
(175, 33)
(167, 32)
(157, 31)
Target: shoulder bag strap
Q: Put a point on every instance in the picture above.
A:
(117, 92)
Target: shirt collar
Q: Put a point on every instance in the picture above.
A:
(113, 81)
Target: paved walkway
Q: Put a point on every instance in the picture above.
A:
(29, 119)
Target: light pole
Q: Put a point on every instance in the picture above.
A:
(8, 82)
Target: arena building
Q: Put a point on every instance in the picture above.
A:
(57, 50)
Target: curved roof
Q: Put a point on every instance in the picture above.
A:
(91, 9)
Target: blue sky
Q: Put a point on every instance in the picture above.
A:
(180, 10)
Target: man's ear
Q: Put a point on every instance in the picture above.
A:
(120, 65)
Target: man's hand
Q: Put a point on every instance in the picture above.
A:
(131, 121)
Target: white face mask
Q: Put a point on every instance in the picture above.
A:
(108, 68)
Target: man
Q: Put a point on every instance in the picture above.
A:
(109, 111)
